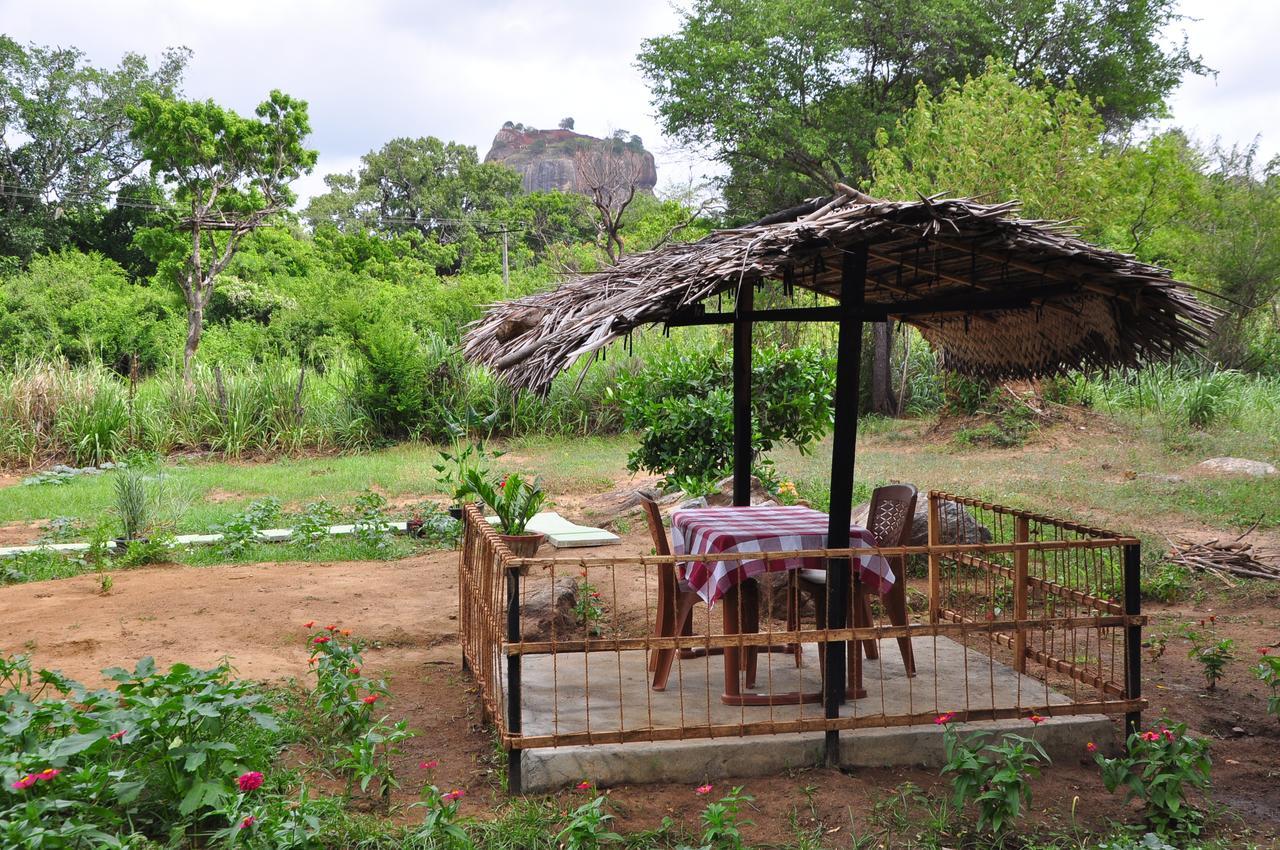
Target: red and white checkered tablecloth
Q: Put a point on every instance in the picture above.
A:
(711, 531)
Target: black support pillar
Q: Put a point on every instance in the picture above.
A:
(742, 450)
(843, 453)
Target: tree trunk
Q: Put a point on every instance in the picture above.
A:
(195, 327)
(882, 400)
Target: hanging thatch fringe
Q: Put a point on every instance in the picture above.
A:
(1093, 308)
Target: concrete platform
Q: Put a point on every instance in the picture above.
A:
(608, 691)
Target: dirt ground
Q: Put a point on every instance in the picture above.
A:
(253, 614)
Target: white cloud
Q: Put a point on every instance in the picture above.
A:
(375, 70)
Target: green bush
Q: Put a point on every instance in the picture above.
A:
(682, 405)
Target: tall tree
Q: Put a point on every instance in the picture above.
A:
(65, 136)
(437, 189)
(229, 175)
(790, 93)
(608, 172)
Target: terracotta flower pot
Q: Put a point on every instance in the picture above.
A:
(523, 545)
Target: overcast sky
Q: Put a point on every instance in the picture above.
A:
(378, 69)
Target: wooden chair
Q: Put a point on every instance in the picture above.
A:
(890, 519)
(675, 607)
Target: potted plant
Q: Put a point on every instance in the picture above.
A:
(462, 457)
(133, 507)
(414, 526)
(515, 501)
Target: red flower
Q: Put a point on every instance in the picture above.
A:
(1037, 719)
(321, 639)
(1213, 619)
(1168, 734)
(430, 765)
(455, 794)
(1263, 650)
(250, 781)
(1151, 736)
(249, 820)
(331, 628)
(116, 736)
(312, 660)
(1091, 747)
(584, 785)
(309, 624)
(355, 671)
(370, 699)
(945, 718)
(703, 790)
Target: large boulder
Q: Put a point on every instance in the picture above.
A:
(545, 159)
(547, 606)
(1236, 466)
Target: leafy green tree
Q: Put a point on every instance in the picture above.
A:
(790, 93)
(230, 175)
(437, 189)
(64, 136)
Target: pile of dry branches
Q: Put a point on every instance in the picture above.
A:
(1218, 558)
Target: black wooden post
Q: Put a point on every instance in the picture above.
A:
(1133, 633)
(843, 452)
(513, 679)
(742, 394)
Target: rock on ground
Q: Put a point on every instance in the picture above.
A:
(1237, 466)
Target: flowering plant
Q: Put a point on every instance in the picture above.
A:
(588, 827)
(994, 776)
(1156, 769)
(513, 499)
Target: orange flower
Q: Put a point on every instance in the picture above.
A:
(346, 632)
(308, 624)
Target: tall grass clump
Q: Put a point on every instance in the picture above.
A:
(1181, 396)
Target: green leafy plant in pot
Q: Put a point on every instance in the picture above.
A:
(464, 457)
(134, 505)
(515, 501)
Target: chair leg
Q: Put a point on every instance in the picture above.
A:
(870, 648)
(895, 604)
(665, 657)
(664, 625)
(793, 614)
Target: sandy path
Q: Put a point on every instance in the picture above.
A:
(252, 613)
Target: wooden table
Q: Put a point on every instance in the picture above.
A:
(703, 533)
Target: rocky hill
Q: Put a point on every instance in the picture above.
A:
(545, 158)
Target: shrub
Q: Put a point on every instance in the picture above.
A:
(993, 776)
(1268, 672)
(1156, 769)
(1213, 658)
(682, 407)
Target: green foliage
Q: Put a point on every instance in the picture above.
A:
(134, 502)
(1213, 657)
(514, 500)
(241, 531)
(769, 88)
(1166, 582)
(372, 528)
(993, 776)
(588, 827)
(311, 528)
(157, 755)
(721, 826)
(1157, 769)
(1268, 672)
(683, 410)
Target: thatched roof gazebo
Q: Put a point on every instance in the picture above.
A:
(998, 296)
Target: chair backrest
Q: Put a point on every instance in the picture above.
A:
(661, 545)
(892, 513)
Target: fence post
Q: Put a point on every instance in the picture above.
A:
(1021, 534)
(935, 560)
(513, 678)
(1133, 633)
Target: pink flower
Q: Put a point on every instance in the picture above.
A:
(26, 782)
(455, 794)
(1168, 734)
(249, 820)
(584, 785)
(321, 639)
(1151, 736)
(944, 718)
(250, 781)
(370, 699)
(1037, 719)
(116, 736)
(430, 765)
(47, 773)
(703, 790)
(1091, 747)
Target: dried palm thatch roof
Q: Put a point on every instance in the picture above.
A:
(999, 296)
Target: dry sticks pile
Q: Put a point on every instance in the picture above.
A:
(1235, 556)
